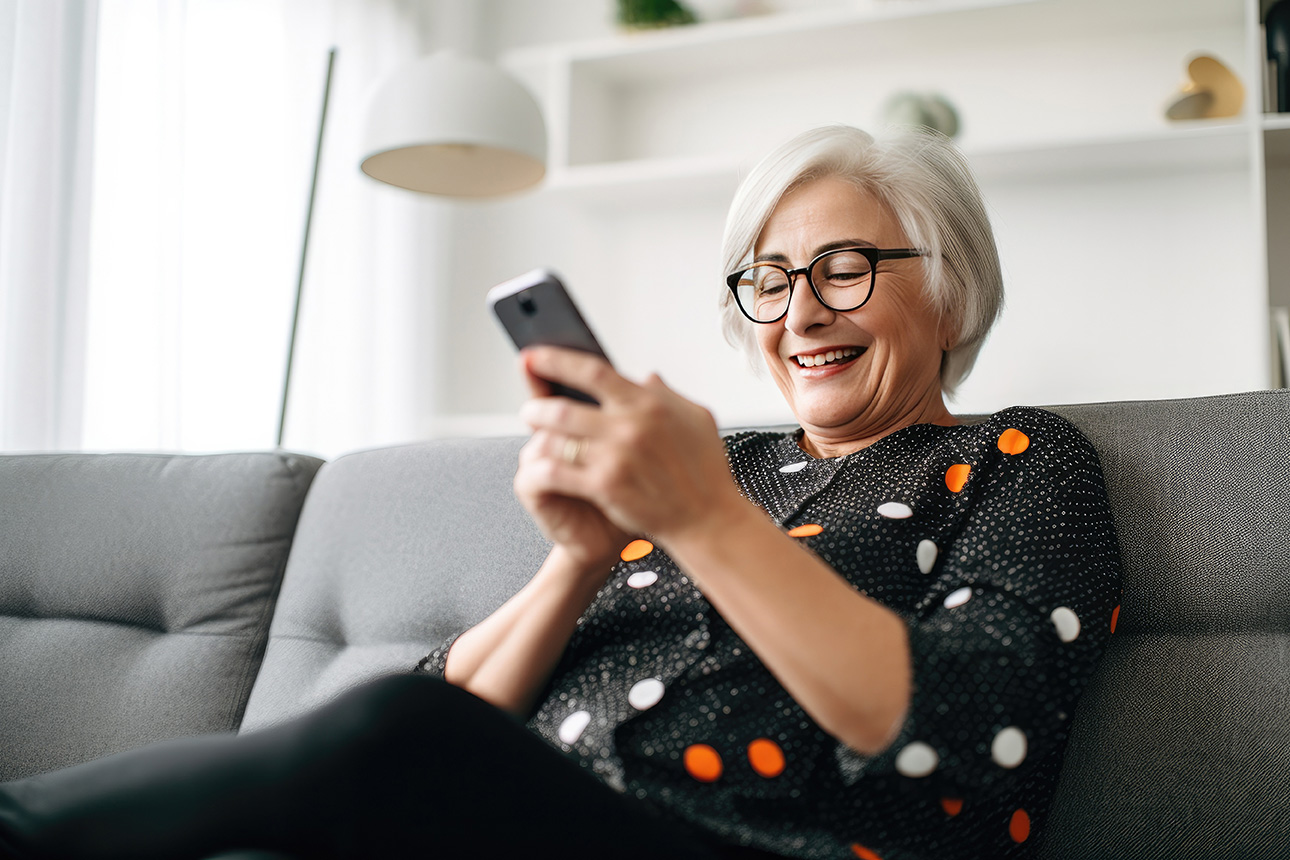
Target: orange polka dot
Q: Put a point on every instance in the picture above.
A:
(952, 805)
(636, 549)
(1115, 617)
(863, 853)
(806, 530)
(1013, 441)
(766, 757)
(956, 476)
(1019, 826)
(703, 762)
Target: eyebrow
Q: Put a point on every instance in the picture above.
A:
(823, 249)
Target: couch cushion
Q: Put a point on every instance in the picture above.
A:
(397, 549)
(1180, 746)
(136, 593)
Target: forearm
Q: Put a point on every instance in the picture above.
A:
(507, 658)
(842, 656)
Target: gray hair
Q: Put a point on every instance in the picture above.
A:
(926, 183)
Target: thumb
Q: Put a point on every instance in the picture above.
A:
(654, 382)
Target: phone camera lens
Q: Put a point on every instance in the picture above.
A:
(527, 305)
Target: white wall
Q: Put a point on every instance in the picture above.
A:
(1124, 282)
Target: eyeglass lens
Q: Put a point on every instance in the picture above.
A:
(841, 279)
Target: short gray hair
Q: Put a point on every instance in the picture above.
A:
(929, 187)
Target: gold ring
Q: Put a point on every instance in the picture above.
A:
(574, 446)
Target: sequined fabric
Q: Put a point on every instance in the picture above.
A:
(994, 542)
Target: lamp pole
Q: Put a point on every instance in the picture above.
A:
(304, 247)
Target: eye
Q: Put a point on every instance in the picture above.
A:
(768, 281)
(845, 269)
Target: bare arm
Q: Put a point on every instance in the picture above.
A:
(842, 656)
(507, 658)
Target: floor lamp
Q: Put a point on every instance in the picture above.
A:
(445, 124)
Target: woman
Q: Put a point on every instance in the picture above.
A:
(864, 638)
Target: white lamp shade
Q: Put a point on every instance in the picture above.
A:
(453, 125)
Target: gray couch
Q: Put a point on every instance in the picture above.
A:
(144, 597)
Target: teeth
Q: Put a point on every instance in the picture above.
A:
(825, 357)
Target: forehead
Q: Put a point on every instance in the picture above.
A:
(824, 211)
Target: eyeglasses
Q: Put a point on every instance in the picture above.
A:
(842, 280)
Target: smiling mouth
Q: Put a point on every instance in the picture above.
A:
(832, 356)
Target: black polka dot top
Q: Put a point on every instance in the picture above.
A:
(994, 542)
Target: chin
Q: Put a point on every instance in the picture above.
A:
(829, 419)
(822, 408)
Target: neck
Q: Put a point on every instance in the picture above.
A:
(825, 442)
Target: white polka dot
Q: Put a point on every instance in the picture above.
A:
(1009, 747)
(793, 467)
(573, 726)
(926, 553)
(895, 510)
(917, 759)
(645, 694)
(958, 598)
(1066, 622)
(642, 578)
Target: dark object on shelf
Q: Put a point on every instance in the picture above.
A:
(1278, 27)
(641, 14)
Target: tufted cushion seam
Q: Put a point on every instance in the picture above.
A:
(245, 634)
(111, 622)
(339, 645)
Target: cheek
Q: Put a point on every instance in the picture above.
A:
(908, 328)
(767, 338)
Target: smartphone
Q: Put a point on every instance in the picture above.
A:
(535, 308)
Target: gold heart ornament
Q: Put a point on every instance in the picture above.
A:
(1211, 91)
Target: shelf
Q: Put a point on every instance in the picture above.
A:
(1202, 144)
(1189, 146)
(687, 51)
(647, 52)
(681, 52)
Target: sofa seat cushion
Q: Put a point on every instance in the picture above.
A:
(136, 593)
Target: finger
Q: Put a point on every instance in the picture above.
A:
(580, 370)
(562, 415)
(538, 387)
(566, 451)
(544, 468)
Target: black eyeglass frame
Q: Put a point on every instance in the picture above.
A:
(873, 255)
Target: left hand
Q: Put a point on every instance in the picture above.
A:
(651, 461)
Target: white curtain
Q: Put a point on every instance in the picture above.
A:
(46, 117)
(206, 122)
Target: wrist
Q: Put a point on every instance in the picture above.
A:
(730, 514)
(581, 564)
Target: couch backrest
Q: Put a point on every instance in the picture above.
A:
(397, 549)
(1180, 746)
(135, 596)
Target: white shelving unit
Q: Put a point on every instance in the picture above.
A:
(1062, 105)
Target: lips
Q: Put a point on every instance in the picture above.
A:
(836, 355)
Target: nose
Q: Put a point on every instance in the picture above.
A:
(804, 309)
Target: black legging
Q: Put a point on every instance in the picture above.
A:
(403, 766)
